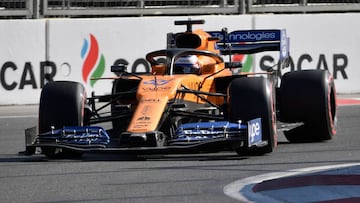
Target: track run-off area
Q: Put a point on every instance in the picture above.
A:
(214, 177)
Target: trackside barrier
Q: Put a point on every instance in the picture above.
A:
(37, 9)
(33, 51)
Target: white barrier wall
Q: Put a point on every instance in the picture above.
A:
(78, 49)
(22, 56)
(326, 41)
(119, 39)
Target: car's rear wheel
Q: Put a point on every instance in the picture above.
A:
(251, 98)
(309, 97)
(61, 104)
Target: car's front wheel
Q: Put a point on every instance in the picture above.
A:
(251, 98)
(61, 104)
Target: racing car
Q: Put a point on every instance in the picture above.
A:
(191, 101)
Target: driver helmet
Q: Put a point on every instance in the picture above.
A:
(187, 64)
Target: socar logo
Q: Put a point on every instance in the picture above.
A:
(94, 62)
(246, 60)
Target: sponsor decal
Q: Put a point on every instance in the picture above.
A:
(156, 88)
(143, 118)
(246, 61)
(248, 36)
(238, 36)
(254, 132)
(145, 109)
(284, 45)
(10, 72)
(202, 132)
(156, 82)
(94, 61)
(149, 100)
(339, 63)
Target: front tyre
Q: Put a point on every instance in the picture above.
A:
(250, 98)
(61, 104)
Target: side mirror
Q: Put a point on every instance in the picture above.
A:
(120, 68)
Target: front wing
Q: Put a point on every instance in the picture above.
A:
(189, 138)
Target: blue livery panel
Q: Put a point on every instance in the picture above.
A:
(254, 132)
(253, 41)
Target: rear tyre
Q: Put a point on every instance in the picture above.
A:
(61, 104)
(308, 96)
(250, 98)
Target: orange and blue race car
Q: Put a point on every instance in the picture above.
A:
(192, 101)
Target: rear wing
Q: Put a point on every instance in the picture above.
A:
(252, 41)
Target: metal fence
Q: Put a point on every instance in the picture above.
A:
(138, 7)
(16, 8)
(302, 6)
(108, 8)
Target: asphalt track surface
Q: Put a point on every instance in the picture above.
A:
(165, 178)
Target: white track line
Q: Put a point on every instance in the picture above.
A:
(242, 189)
(19, 116)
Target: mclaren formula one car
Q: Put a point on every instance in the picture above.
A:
(192, 101)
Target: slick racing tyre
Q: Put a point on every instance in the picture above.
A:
(61, 104)
(250, 98)
(309, 97)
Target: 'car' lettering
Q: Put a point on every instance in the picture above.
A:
(27, 77)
